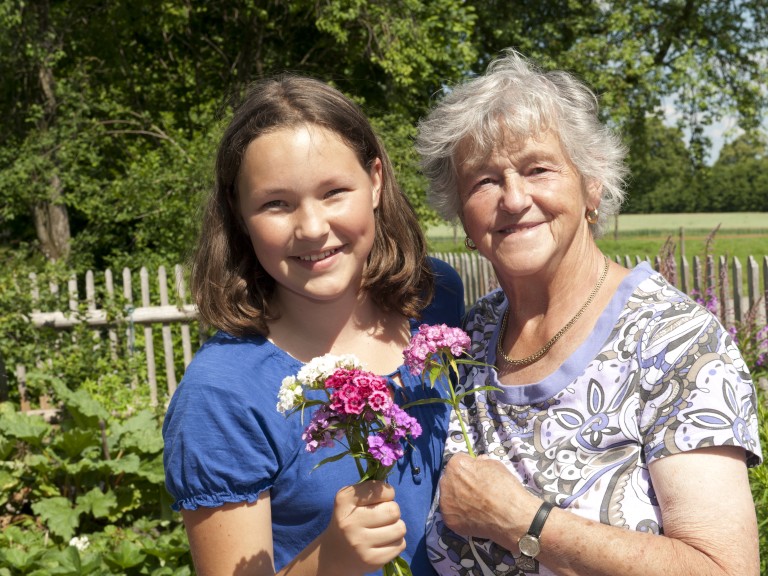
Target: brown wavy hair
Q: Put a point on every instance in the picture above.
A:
(231, 289)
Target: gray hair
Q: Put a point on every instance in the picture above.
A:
(516, 99)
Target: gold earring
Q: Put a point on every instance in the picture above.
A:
(469, 244)
(592, 216)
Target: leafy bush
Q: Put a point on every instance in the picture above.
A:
(85, 495)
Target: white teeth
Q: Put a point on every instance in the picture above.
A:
(316, 257)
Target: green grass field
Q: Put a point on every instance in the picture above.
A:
(740, 235)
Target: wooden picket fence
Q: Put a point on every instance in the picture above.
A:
(160, 308)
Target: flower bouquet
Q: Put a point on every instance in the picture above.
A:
(357, 411)
(435, 352)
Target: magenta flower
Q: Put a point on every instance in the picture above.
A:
(359, 408)
(358, 413)
(385, 452)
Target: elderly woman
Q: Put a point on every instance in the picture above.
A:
(624, 420)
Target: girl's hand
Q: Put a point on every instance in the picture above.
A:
(365, 531)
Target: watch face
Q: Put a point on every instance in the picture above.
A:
(529, 545)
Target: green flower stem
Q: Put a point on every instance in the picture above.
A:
(455, 405)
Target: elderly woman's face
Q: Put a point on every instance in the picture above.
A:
(524, 205)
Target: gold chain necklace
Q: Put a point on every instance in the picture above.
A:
(537, 355)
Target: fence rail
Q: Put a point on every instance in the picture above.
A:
(164, 304)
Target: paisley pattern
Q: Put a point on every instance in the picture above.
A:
(666, 379)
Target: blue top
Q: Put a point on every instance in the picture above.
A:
(225, 441)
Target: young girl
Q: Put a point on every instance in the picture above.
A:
(307, 247)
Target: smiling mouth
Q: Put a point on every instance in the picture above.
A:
(318, 257)
(519, 228)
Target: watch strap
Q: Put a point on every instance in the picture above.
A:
(538, 521)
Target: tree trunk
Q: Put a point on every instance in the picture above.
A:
(50, 216)
(52, 224)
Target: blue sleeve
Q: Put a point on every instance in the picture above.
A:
(447, 306)
(224, 439)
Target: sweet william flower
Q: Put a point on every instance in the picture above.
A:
(435, 352)
(432, 339)
(385, 452)
(357, 412)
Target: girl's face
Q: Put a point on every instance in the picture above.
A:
(308, 204)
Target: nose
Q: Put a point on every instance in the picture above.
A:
(514, 196)
(311, 221)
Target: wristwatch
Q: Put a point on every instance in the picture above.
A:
(529, 542)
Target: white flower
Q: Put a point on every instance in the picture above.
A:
(315, 372)
(312, 376)
(289, 395)
(80, 542)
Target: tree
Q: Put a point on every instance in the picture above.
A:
(739, 178)
(707, 56)
(112, 109)
(662, 172)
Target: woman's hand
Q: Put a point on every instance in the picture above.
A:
(479, 497)
(365, 531)
(706, 505)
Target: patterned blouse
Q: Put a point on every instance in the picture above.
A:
(659, 376)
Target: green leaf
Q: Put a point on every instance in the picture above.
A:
(58, 515)
(425, 401)
(397, 567)
(478, 389)
(19, 559)
(126, 555)
(30, 429)
(333, 458)
(75, 441)
(140, 433)
(64, 562)
(97, 503)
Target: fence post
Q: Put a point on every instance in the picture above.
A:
(753, 291)
(165, 330)
(186, 339)
(711, 284)
(765, 285)
(683, 263)
(109, 288)
(738, 309)
(684, 272)
(149, 345)
(726, 311)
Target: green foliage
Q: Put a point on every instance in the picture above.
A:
(701, 54)
(85, 495)
(741, 175)
(113, 110)
(662, 172)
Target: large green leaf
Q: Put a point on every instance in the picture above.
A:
(30, 429)
(58, 515)
(97, 503)
(125, 555)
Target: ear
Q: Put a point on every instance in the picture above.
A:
(377, 181)
(593, 193)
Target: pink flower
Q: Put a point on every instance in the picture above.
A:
(354, 405)
(379, 401)
(431, 339)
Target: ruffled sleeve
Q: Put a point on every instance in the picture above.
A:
(224, 439)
